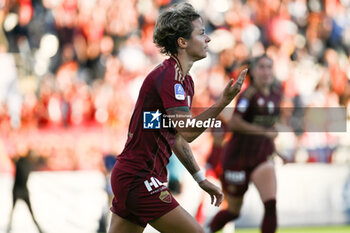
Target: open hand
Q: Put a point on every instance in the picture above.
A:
(214, 192)
(230, 90)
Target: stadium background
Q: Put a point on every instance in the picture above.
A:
(70, 75)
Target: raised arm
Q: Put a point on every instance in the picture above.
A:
(238, 124)
(184, 153)
(183, 113)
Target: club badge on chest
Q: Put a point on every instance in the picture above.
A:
(270, 107)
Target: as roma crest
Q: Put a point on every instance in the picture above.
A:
(165, 196)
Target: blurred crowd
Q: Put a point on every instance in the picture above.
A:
(71, 70)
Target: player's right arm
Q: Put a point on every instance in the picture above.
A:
(183, 113)
(184, 153)
(238, 124)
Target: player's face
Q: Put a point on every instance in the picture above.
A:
(263, 72)
(198, 43)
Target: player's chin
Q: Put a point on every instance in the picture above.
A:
(204, 55)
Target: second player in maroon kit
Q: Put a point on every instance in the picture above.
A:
(246, 155)
(245, 151)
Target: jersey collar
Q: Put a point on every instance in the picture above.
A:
(178, 63)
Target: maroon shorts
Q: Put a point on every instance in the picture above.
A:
(237, 170)
(235, 182)
(139, 199)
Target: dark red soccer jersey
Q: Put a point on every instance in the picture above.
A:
(246, 150)
(147, 151)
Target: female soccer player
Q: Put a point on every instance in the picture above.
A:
(246, 155)
(140, 196)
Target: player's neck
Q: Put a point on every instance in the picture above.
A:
(265, 90)
(185, 62)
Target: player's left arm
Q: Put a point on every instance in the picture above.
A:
(182, 113)
(184, 153)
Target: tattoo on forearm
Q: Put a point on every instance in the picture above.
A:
(188, 160)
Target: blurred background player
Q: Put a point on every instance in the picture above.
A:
(138, 177)
(247, 155)
(25, 163)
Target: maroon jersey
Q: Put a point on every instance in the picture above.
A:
(247, 150)
(147, 151)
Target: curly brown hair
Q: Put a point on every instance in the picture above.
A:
(173, 23)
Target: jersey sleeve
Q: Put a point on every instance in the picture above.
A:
(244, 102)
(172, 91)
(242, 105)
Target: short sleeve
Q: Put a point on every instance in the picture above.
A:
(173, 92)
(242, 105)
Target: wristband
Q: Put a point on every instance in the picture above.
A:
(199, 176)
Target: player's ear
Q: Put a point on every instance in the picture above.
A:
(182, 42)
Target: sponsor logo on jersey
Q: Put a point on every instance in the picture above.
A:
(152, 183)
(237, 177)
